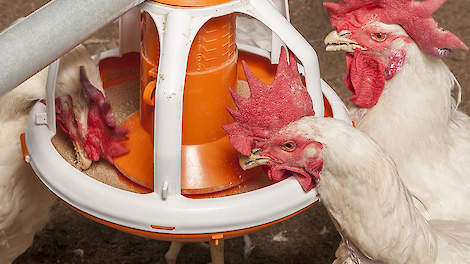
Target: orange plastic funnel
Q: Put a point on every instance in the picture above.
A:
(209, 163)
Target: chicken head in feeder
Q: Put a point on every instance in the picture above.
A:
(190, 184)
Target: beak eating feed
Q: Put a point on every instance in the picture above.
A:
(252, 161)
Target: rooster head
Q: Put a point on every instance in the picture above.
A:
(260, 121)
(103, 137)
(376, 35)
(289, 152)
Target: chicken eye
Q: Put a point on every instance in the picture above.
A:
(379, 36)
(289, 146)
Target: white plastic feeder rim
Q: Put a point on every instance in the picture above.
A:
(166, 206)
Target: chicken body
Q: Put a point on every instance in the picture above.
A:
(24, 201)
(357, 181)
(360, 186)
(417, 123)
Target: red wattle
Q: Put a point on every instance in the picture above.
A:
(279, 172)
(365, 78)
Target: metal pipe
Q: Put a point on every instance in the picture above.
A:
(51, 31)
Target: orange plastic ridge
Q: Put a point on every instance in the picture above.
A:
(163, 227)
(213, 46)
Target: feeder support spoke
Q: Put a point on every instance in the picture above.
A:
(176, 44)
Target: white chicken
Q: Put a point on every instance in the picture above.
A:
(403, 91)
(24, 201)
(249, 32)
(359, 185)
(356, 180)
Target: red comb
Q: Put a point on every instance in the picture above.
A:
(269, 107)
(414, 16)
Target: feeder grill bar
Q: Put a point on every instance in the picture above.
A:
(51, 31)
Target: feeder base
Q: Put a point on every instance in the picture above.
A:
(189, 237)
(207, 168)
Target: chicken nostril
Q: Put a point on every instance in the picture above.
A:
(344, 33)
(255, 150)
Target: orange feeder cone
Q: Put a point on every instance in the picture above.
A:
(209, 163)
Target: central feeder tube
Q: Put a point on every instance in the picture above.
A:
(211, 70)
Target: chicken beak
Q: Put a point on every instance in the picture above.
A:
(252, 161)
(339, 42)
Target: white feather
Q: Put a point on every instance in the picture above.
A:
(371, 206)
(415, 121)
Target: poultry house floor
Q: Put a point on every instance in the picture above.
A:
(307, 238)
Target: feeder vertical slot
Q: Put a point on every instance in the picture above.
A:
(169, 102)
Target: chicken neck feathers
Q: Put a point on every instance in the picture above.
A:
(415, 121)
(374, 211)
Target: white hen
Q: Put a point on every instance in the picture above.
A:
(356, 180)
(373, 210)
(404, 91)
(24, 201)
